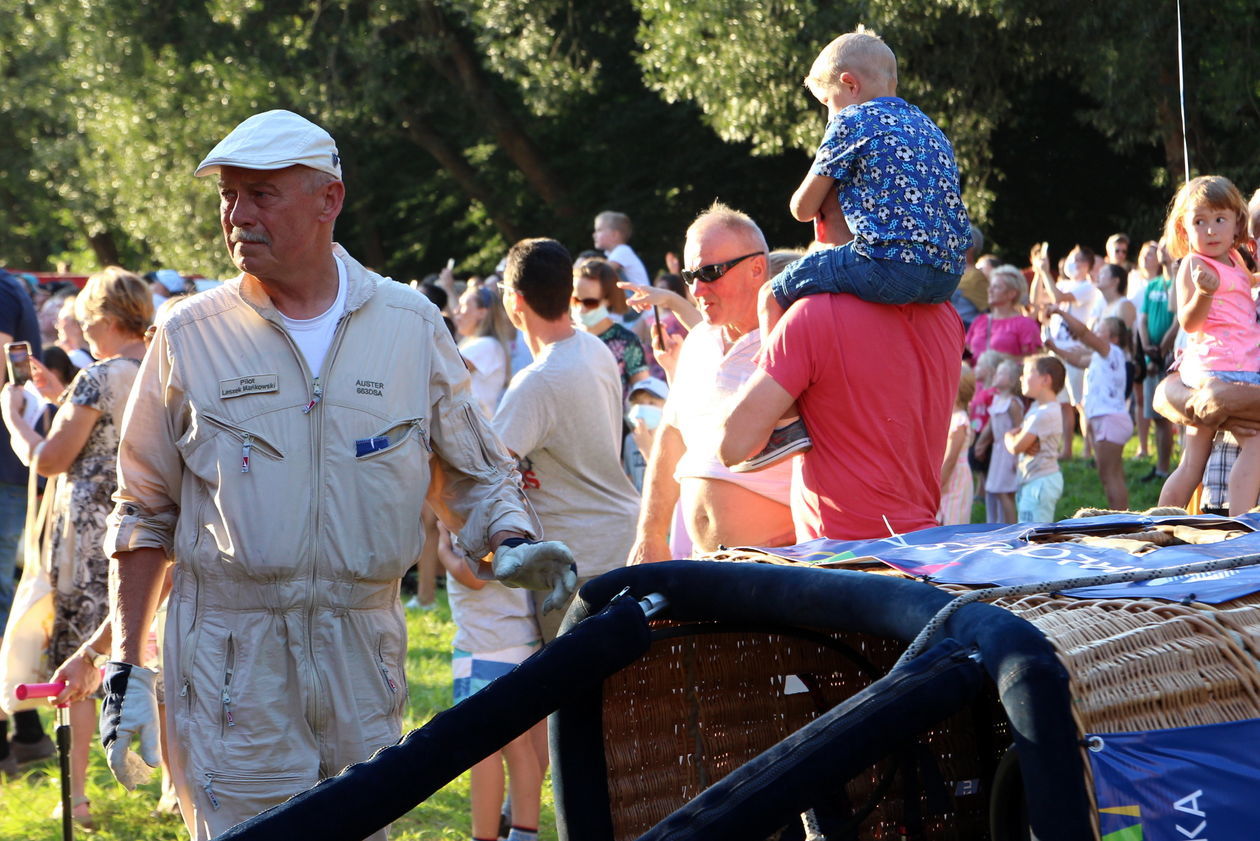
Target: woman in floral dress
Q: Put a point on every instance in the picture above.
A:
(81, 451)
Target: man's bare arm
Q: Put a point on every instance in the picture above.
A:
(660, 495)
(1234, 406)
(760, 404)
(135, 587)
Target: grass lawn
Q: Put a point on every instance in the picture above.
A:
(1082, 489)
(28, 800)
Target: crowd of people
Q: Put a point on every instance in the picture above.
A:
(267, 459)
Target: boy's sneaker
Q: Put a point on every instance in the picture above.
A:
(784, 441)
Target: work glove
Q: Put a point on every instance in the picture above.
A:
(130, 709)
(547, 565)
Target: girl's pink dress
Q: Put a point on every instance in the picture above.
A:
(958, 491)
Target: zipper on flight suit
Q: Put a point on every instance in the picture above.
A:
(316, 410)
(225, 695)
(208, 788)
(380, 664)
(317, 394)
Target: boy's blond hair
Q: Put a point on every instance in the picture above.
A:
(1013, 369)
(619, 222)
(1215, 191)
(860, 52)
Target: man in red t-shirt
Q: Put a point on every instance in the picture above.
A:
(875, 385)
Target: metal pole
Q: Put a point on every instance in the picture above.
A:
(64, 741)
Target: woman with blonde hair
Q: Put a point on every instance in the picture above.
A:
(1004, 327)
(80, 452)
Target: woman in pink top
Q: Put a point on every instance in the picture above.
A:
(1004, 327)
(1216, 309)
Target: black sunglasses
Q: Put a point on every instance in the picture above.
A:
(588, 303)
(713, 271)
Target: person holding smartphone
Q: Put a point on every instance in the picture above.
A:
(18, 322)
(80, 452)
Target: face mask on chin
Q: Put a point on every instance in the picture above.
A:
(651, 414)
(590, 318)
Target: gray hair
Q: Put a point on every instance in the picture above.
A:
(719, 215)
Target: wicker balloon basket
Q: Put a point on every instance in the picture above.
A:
(708, 698)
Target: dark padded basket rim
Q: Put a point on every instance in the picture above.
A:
(1031, 682)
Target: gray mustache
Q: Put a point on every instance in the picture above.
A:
(243, 235)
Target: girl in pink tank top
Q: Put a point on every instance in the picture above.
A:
(1206, 224)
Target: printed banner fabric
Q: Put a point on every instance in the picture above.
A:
(1001, 555)
(1186, 784)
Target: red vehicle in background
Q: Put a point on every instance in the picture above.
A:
(51, 278)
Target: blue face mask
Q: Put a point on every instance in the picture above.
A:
(590, 318)
(651, 415)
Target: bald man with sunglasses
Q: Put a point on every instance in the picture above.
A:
(726, 265)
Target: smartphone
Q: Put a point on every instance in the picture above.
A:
(18, 358)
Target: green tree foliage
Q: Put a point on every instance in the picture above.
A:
(465, 124)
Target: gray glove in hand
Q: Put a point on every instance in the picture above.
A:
(130, 709)
(548, 565)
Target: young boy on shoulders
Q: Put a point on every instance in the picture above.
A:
(1037, 441)
(893, 172)
(612, 236)
(885, 184)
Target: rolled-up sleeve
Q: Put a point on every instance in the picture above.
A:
(150, 470)
(476, 485)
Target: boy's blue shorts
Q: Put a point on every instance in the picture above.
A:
(1035, 500)
(841, 269)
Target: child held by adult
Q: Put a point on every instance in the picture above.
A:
(1206, 225)
(910, 229)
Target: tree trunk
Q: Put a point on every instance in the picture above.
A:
(450, 159)
(370, 235)
(1169, 119)
(104, 247)
(511, 135)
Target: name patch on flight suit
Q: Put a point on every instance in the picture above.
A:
(253, 384)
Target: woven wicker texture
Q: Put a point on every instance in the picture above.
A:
(1140, 664)
(697, 706)
(700, 704)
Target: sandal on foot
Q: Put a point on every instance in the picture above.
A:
(81, 808)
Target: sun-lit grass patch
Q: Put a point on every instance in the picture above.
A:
(26, 803)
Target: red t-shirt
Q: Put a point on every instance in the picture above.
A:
(876, 386)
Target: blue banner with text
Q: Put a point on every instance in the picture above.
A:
(1186, 784)
(1002, 555)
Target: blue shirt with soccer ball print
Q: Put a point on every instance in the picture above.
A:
(898, 184)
